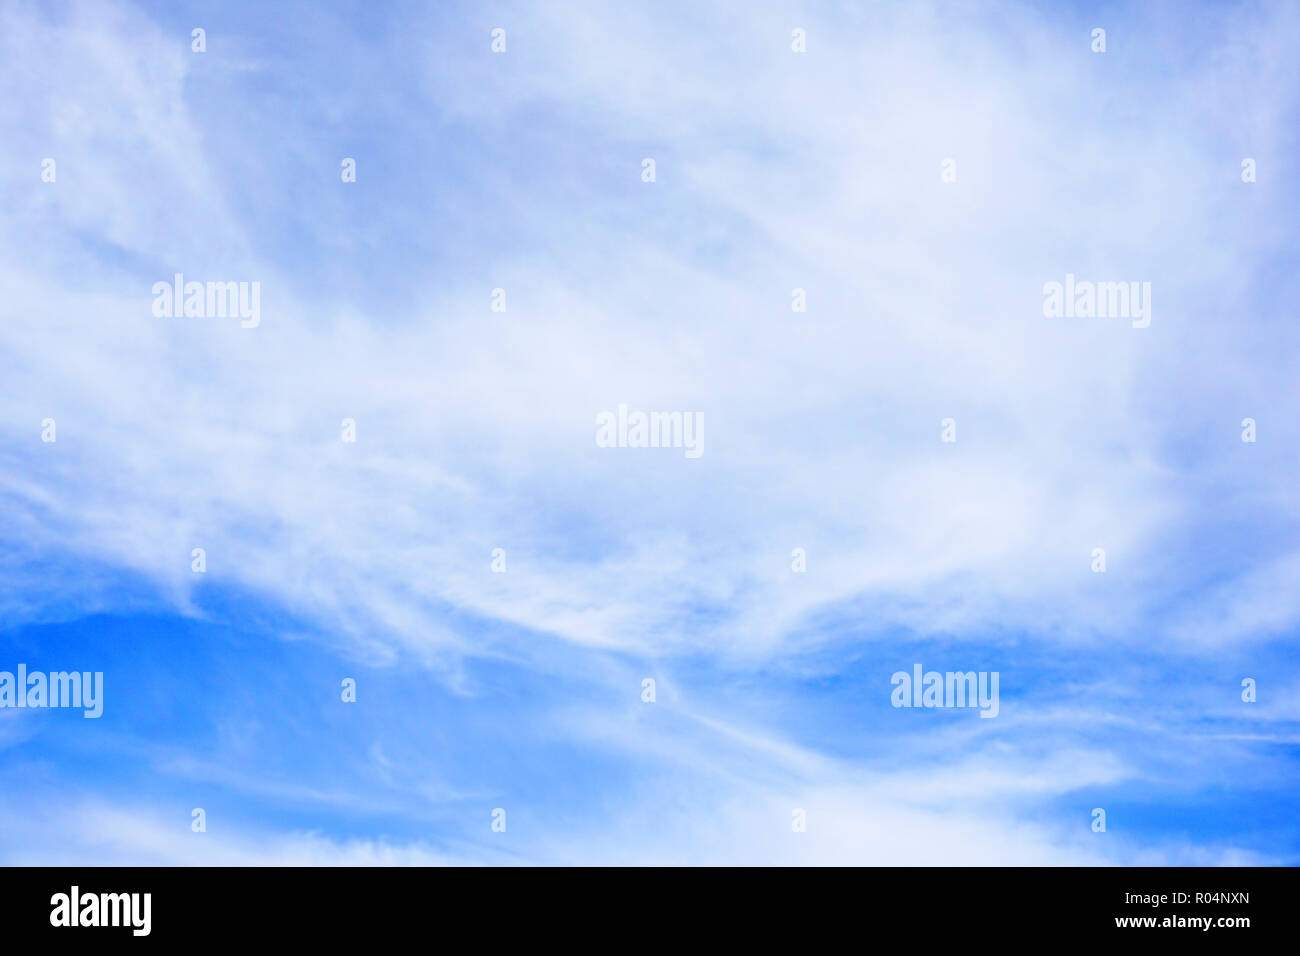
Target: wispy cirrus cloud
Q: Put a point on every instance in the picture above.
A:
(775, 171)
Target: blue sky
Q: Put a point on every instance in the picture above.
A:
(522, 690)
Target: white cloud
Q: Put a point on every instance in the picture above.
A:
(822, 429)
